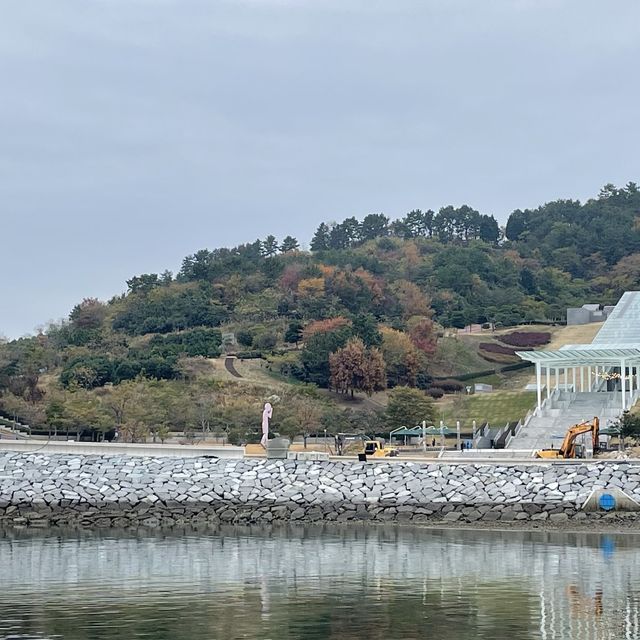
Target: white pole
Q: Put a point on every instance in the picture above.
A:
(565, 379)
(623, 385)
(573, 377)
(424, 435)
(589, 372)
(581, 379)
(539, 384)
(548, 381)
(458, 434)
(557, 377)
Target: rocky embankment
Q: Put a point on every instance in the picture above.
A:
(110, 491)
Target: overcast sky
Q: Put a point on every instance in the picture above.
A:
(135, 132)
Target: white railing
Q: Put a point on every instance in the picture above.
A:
(554, 395)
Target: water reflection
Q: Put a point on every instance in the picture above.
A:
(287, 583)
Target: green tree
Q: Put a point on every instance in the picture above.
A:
(265, 340)
(408, 407)
(289, 244)
(320, 241)
(629, 425)
(293, 334)
(365, 327)
(244, 337)
(375, 225)
(315, 354)
(269, 246)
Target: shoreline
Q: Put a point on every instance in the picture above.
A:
(628, 527)
(44, 490)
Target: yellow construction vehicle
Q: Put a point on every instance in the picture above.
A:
(375, 449)
(568, 447)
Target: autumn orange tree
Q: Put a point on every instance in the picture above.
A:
(401, 357)
(356, 368)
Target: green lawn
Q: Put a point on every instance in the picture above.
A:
(496, 408)
(454, 357)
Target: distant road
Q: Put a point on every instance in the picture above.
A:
(230, 366)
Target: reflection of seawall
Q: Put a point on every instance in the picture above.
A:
(120, 491)
(566, 571)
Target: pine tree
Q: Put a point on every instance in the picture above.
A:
(269, 246)
(289, 244)
(320, 240)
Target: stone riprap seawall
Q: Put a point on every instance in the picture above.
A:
(119, 491)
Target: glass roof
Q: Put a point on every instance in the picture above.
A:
(582, 356)
(623, 325)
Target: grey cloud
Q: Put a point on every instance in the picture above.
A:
(134, 132)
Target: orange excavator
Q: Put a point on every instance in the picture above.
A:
(568, 447)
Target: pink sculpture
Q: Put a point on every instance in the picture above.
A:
(266, 416)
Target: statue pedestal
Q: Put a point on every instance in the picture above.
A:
(278, 448)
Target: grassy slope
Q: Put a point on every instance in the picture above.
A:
(454, 356)
(510, 402)
(496, 408)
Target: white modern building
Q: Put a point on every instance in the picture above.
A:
(581, 381)
(610, 363)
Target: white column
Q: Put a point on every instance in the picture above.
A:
(581, 379)
(597, 376)
(573, 379)
(539, 383)
(565, 378)
(589, 377)
(557, 377)
(548, 381)
(623, 385)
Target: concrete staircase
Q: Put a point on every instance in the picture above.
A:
(560, 412)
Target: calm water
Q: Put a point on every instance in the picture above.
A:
(378, 584)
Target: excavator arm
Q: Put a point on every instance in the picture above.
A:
(568, 447)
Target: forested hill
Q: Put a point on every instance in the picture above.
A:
(384, 283)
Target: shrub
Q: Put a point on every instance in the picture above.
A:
(435, 392)
(249, 355)
(498, 358)
(517, 366)
(244, 337)
(265, 340)
(475, 374)
(492, 347)
(450, 386)
(526, 338)
(195, 342)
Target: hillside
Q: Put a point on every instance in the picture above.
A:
(374, 305)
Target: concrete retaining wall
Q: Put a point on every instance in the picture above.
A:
(37, 489)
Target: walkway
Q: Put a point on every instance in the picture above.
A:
(563, 411)
(230, 366)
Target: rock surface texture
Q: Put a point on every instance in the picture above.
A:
(113, 491)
